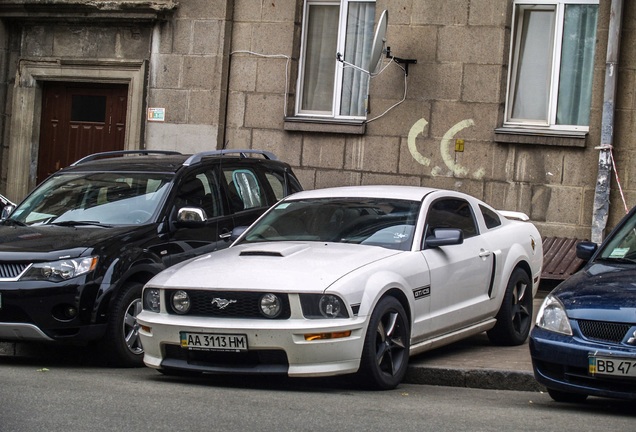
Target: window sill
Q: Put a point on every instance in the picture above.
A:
(508, 135)
(308, 124)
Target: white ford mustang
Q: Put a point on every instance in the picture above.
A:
(346, 280)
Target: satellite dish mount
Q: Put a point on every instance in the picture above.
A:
(399, 60)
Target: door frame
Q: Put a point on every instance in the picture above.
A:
(24, 136)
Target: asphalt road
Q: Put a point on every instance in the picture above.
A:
(47, 394)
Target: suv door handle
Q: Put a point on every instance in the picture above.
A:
(225, 235)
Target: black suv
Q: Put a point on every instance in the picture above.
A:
(75, 254)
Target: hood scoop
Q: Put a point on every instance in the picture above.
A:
(261, 253)
(275, 249)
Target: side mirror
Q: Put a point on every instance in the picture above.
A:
(585, 250)
(237, 231)
(6, 211)
(191, 217)
(444, 237)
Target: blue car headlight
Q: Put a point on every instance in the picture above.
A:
(552, 316)
(57, 271)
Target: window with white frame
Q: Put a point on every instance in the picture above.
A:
(327, 88)
(551, 64)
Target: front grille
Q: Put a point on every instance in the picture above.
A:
(604, 331)
(12, 271)
(240, 304)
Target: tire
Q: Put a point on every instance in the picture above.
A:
(122, 342)
(385, 354)
(514, 318)
(561, 396)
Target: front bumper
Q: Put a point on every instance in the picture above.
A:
(561, 363)
(274, 347)
(35, 311)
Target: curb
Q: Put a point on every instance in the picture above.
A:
(490, 379)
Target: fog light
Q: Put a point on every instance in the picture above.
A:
(181, 302)
(70, 312)
(271, 305)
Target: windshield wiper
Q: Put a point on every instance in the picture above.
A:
(71, 223)
(13, 222)
(617, 260)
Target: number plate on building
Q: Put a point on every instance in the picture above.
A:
(213, 341)
(613, 366)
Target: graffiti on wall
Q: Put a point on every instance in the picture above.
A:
(445, 150)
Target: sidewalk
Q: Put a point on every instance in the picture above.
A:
(476, 363)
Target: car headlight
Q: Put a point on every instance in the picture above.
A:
(152, 300)
(552, 316)
(57, 271)
(323, 306)
(180, 302)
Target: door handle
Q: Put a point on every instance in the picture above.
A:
(225, 235)
(484, 253)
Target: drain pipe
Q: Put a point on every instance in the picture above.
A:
(602, 192)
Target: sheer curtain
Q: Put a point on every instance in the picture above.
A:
(533, 64)
(359, 37)
(577, 64)
(320, 58)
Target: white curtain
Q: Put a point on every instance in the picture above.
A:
(577, 63)
(533, 64)
(359, 37)
(320, 58)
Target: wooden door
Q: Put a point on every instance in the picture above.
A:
(79, 119)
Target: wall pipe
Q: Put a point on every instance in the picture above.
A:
(603, 180)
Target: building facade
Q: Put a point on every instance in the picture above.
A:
(527, 105)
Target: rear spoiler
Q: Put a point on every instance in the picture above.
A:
(514, 215)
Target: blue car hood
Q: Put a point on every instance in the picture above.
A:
(601, 291)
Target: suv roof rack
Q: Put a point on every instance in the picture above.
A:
(122, 152)
(196, 158)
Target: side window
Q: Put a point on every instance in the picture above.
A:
(245, 192)
(490, 217)
(201, 190)
(551, 64)
(451, 213)
(325, 87)
(277, 183)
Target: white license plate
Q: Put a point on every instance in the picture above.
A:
(612, 366)
(213, 341)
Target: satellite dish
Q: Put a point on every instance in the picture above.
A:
(379, 42)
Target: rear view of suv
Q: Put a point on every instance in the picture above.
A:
(75, 254)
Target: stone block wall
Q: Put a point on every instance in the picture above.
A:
(456, 91)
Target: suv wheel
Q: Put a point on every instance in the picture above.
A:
(122, 337)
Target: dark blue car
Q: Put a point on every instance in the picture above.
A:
(584, 341)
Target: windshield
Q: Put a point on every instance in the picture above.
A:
(368, 221)
(622, 245)
(105, 198)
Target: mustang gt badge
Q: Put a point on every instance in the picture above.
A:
(222, 303)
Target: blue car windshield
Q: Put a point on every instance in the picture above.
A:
(104, 198)
(368, 221)
(622, 245)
